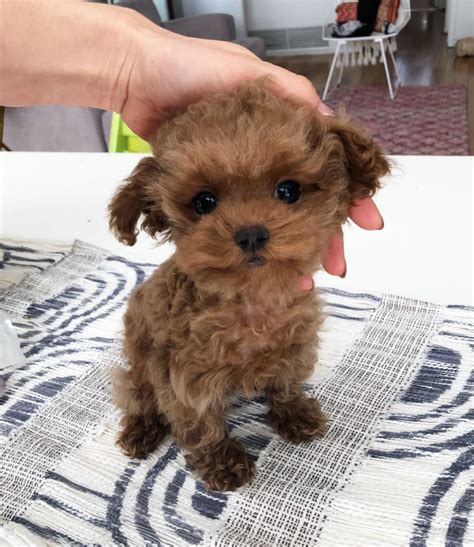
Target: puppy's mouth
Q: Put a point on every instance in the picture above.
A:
(256, 260)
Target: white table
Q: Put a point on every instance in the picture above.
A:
(425, 250)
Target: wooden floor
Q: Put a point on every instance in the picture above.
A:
(423, 58)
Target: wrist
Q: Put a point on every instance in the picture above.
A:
(127, 33)
(67, 52)
(101, 59)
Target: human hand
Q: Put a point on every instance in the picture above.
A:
(165, 80)
(61, 53)
(170, 72)
(366, 215)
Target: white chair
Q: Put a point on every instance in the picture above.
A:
(367, 48)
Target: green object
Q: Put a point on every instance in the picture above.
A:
(123, 139)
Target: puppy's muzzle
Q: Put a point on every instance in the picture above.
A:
(252, 238)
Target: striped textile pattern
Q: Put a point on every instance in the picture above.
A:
(395, 467)
(18, 259)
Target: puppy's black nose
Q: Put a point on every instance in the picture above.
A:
(252, 238)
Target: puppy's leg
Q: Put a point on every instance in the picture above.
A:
(295, 417)
(141, 435)
(143, 428)
(220, 461)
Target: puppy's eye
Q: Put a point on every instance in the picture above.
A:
(204, 203)
(288, 191)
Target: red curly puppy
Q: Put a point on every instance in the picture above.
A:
(249, 187)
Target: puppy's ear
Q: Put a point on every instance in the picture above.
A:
(138, 197)
(365, 161)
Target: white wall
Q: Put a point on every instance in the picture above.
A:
(460, 20)
(162, 8)
(232, 7)
(278, 14)
(264, 14)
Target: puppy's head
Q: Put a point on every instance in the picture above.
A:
(249, 187)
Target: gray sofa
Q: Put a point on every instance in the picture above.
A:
(213, 26)
(77, 129)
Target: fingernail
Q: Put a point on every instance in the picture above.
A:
(306, 282)
(342, 276)
(382, 226)
(325, 110)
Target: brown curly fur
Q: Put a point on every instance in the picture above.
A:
(206, 325)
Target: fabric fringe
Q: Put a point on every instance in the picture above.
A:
(365, 52)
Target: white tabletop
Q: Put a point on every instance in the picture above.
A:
(425, 250)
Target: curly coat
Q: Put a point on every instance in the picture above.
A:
(208, 324)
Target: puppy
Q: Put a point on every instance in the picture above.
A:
(249, 187)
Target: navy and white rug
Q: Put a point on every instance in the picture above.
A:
(395, 468)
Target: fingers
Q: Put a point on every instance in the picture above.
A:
(325, 110)
(366, 215)
(228, 47)
(334, 262)
(305, 282)
(282, 82)
(287, 84)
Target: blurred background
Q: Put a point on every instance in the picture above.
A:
(403, 68)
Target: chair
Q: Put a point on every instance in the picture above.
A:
(367, 48)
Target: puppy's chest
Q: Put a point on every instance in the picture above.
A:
(255, 330)
(237, 333)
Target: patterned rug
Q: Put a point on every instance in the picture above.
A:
(429, 120)
(395, 467)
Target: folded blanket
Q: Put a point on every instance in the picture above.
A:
(386, 15)
(346, 11)
(395, 377)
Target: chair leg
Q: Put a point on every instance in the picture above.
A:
(341, 68)
(394, 64)
(387, 72)
(331, 71)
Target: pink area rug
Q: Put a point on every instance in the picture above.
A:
(422, 120)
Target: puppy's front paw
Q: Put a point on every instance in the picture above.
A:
(226, 468)
(299, 421)
(140, 435)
